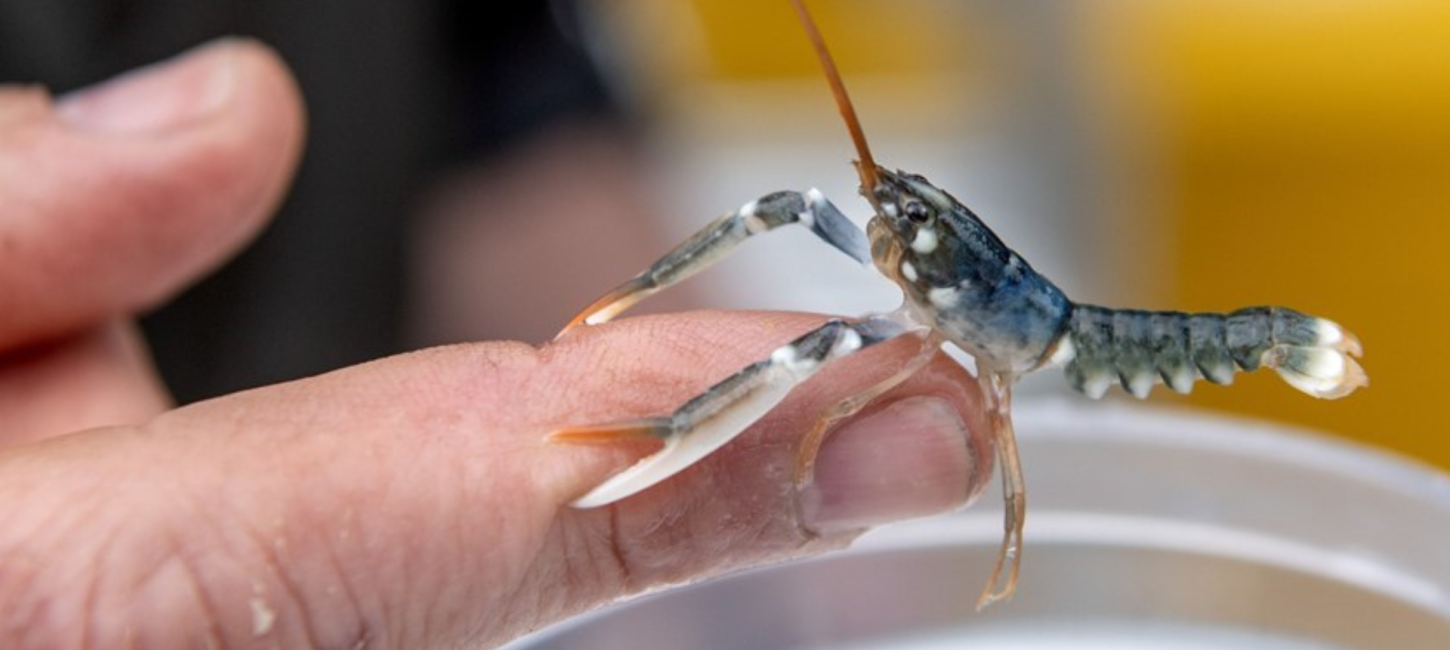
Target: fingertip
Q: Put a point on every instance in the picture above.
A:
(911, 458)
(275, 99)
(228, 178)
(118, 195)
(229, 75)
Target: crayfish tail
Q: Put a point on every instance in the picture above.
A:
(1325, 368)
(1138, 349)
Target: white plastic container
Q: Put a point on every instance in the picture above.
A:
(1145, 529)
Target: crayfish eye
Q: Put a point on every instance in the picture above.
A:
(917, 211)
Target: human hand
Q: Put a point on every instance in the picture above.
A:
(409, 502)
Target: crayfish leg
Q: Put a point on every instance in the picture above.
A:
(998, 390)
(720, 238)
(726, 409)
(810, 447)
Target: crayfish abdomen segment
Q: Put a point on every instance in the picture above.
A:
(1136, 348)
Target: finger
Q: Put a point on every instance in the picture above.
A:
(415, 502)
(116, 196)
(96, 378)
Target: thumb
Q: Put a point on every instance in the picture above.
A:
(415, 501)
(116, 196)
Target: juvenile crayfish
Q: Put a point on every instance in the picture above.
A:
(962, 286)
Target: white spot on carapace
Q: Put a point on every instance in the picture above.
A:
(1014, 266)
(262, 616)
(908, 271)
(890, 210)
(925, 241)
(943, 297)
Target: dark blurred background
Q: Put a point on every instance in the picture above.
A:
(399, 93)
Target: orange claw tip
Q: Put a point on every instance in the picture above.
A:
(585, 316)
(650, 428)
(609, 305)
(574, 323)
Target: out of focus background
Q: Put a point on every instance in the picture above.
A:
(481, 170)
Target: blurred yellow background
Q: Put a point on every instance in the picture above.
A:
(1242, 153)
(1306, 148)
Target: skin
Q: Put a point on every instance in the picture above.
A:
(408, 502)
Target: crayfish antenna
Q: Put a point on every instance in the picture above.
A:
(865, 165)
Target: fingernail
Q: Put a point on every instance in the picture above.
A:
(910, 459)
(160, 97)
